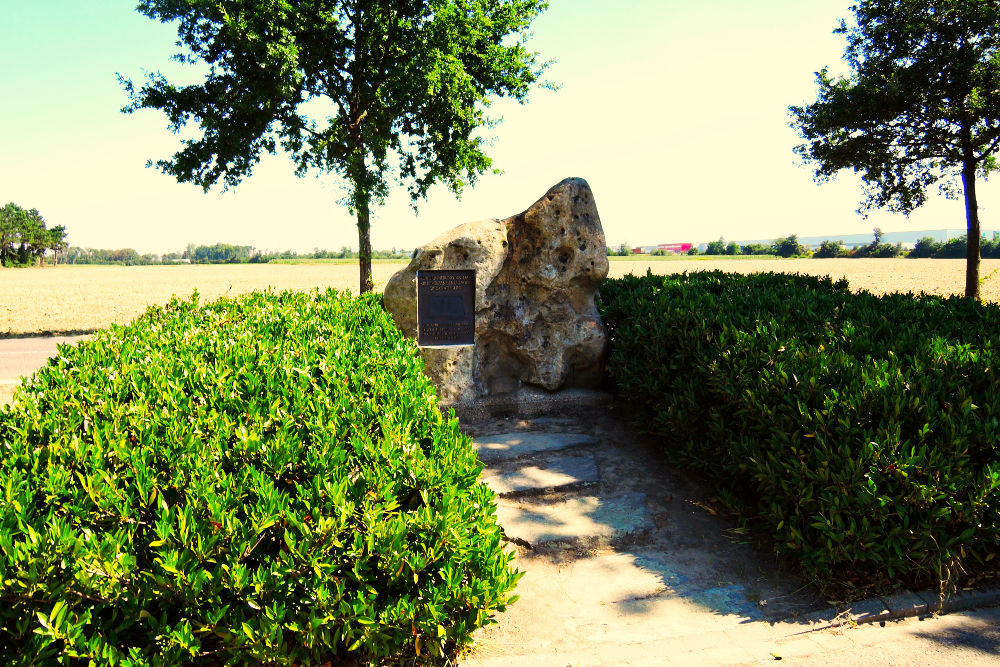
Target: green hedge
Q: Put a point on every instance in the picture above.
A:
(861, 431)
(266, 479)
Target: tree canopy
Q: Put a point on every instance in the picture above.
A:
(372, 90)
(788, 246)
(921, 106)
(24, 239)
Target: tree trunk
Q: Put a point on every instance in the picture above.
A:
(365, 248)
(362, 203)
(974, 233)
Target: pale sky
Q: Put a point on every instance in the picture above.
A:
(674, 111)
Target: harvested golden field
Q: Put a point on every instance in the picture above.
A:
(71, 299)
(84, 298)
(879, 276)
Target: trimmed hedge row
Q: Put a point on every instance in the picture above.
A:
(861, 430)
(266, 479)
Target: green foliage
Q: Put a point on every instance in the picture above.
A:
(372, 91)
(788, 246)
(757, 249)
(920, 107)
(121, 256)
(955, 248)
(887, 250)
(716, 247)
(733, 248)
(877, 249)
(862, 431)
(882, 250)
(24, 239)
(220, 253)
(828, 249)
(925, 247)
(263, 480)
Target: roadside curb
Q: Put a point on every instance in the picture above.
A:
(904, 604)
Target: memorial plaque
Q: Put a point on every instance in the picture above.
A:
(446, 307)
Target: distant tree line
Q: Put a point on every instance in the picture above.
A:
(24, 239)
(953, 248)
(786, 246)
(789, 246)
(120, 257)
(343, 253)
(219, 253)
(925, 247)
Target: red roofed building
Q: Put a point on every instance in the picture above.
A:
(674, 247)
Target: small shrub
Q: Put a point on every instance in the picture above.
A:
(925, 247)
(788, 246)
(861, 430)
(830, 249)
(716, 247)
(880, 251)
(757, 249)
(955, 248)
(265, 480)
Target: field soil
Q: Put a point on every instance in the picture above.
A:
(878, 276)
(74, 299)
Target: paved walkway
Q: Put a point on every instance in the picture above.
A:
(628, 563)
(23, 356)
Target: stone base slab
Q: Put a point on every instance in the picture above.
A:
(530, 403)
(561, 472)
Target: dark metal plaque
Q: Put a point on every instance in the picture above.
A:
(446, 307)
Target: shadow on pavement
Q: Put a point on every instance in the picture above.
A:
(641, 555)
(980, 635)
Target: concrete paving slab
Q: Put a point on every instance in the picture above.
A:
(493, 448)
(963, 600)
(904, 604)
(606, 601)
(733, 599)
(869, 611)
(673, 594)
(575, 518)
(561, 472)
(931, 599)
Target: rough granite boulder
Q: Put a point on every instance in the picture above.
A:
(536, 321)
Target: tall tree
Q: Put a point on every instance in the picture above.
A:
(368, 89)
(57, 241)
(10, 224)
(920, 107)
(23, 236)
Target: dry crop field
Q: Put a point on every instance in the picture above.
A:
(72, 299)
(879, 276)
(68, 299)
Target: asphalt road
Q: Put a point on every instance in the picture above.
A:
(23, 356)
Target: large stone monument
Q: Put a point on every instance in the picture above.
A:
(536, 324)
